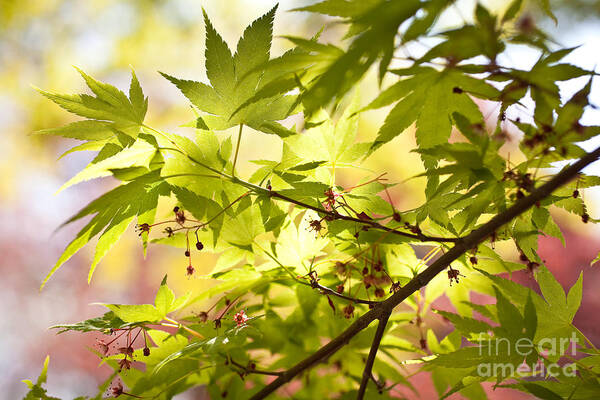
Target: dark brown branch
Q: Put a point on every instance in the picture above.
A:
(462, 246)
(367, 372)
(380, 385)
(332, 214)
(316, 285)
(247, 370)
(322, 354)
(371, 223)
(326, 290)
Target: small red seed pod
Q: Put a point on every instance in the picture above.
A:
(146, 351)
(331, 304)
(143, 228)
(453, 275)
(117, 390)
(187, 253)
(348, 311)
(202, 316)
(199, 245)
(190, 270)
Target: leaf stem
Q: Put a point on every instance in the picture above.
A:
(237, 149)
(180, 325)
(180, 150)
(225, 209)
(584, 337)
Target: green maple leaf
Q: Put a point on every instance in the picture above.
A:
(165, 302)
(430, 98)
(140, 154)
(235, 80)
(114, 212)
(333, 143)
(555, 311)
(36, 390)
(99, 324)
(110, 111)
(374, 26)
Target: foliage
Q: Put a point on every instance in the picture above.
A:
(290, 278)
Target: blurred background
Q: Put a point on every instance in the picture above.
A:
(40, 41)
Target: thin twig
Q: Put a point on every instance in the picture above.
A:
(316, 285)
(368, 371)
(332, 292)
(371, 223)
(253, 371)
(322, 354)
(261, 190)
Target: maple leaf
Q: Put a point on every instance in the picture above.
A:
(235, 80)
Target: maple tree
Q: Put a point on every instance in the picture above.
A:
(319, 281)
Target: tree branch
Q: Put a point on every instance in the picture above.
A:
(247, 370)
(323, 353)
(367, 372)
(371, 223)
(462, 246)
(316, 285)
(258, 189)
(334, 215)
(326, 290)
